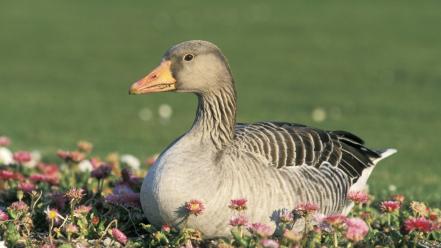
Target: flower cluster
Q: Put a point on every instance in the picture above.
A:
(239, 220)
(358, 197)
(73, 205)
(390, 206)
(420, 224)
(239, 204)
(22, 157)
(305, 209)
(71, 156)
(89, 201)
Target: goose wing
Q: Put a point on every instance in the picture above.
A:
(288, 144)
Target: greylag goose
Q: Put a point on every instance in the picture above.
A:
(274, 165)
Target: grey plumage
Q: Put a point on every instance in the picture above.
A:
(275, 165)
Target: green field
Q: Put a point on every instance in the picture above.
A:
(373, 66)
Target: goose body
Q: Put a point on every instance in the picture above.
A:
(273, 165)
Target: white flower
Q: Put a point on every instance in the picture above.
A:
(3, 244)
(85, 165)
(318, 114)
(165, 111)
(130, 160)
(145, 114)
(5, 156)
(392, 188)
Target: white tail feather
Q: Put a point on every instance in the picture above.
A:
(360, 184)
(384, 154)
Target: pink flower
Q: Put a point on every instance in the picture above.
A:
(119, 236)
(48, 168)
(82, 209)
(101, 172)
(22, 157)
(195, 207)
(4, 141)
(74, 194)
(239, 220)
(165, 228)
(6, 175)
(357, 229)
(19, 206)
(47, 178)
(419, 224)
(269, 243)
(27, 187)
(238, 204)
(389, 206)
(335, 220)
(358, 197)
(96, 162)
(71, 156)
(49, 174)
(306, 208)
(71, 228)
(261, 229)
(3, 216)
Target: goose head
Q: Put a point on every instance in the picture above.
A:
(192, 66)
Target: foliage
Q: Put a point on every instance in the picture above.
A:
(84, 201)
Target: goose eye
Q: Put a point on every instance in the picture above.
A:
(188, 57)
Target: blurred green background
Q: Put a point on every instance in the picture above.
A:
(370, 67)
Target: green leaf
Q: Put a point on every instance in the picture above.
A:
(12, 235)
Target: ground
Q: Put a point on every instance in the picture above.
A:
(372, 67)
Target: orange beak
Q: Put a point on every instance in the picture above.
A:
(159, 80)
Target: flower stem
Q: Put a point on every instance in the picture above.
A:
(107, 228)
(388, 219)
(50, 231)
(415, 241)
(335, 239)
(100, 186)
(72, 205)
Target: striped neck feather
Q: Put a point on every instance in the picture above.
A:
(216, 116)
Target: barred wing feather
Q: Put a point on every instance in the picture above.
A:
(288, 144)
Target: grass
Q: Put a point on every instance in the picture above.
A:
(374, 67)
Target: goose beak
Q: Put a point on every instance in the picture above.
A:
(159, 80)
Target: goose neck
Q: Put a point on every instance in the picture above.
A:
(216, 116)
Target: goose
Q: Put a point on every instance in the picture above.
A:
(274, 165)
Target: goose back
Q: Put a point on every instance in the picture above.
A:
(288, 144)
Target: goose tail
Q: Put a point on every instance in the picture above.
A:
(384, 153)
